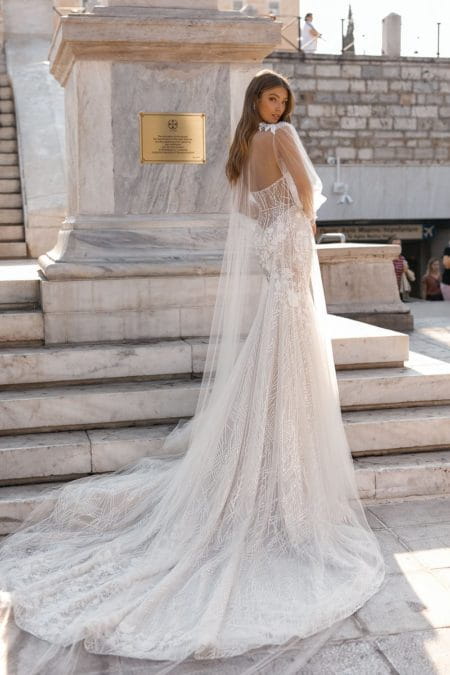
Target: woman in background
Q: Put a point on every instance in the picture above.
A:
(431, 281)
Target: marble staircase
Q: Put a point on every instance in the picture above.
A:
(72, 410)
(21, 320)
(12, 234)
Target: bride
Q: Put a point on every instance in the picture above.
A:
(247, 536)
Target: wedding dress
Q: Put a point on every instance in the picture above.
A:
(247, 532)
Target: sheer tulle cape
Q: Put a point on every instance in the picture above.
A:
(246, 536)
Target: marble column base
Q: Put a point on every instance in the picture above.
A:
(136, 246)
(159, 280)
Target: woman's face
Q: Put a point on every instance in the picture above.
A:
(435, 267)
(272, 104)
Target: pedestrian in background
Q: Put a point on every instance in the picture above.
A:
(309, 35)
(403, 274)
(445, 284)
(431, 281)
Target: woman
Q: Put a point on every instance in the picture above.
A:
(445, 285)
(255, 536)
(431, 281)
(403, 273)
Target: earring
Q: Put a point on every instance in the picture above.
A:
(254, 106)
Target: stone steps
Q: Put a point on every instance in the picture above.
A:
(19, 283)
(11, 233)
(7, 133)
(6, 107)
(413, 385)
(15, 249)
(10, 200)
(406, 475)
(103, 362)
(8, 172)
(21, 326)
(9, 185)
(13, 216)
(8, 145)
(57, 455)
(125, 403)
(378, 479)
(9, 159)
(374, 432)
(7, 119)
(96, 405)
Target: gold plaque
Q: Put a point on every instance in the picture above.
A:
(173, 138)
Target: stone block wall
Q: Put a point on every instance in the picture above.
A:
(372, 110)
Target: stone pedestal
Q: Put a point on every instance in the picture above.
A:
(115, 63)
(133, 221)
(360, 283)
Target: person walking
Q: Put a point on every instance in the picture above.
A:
(431, 281)
(445, 284)
(244, 541)
(403, 273)
(309, 35)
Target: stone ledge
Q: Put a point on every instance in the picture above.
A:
(162, 36)
(398, 430)
(408, 475)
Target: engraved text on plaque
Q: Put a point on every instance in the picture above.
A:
(172, 138)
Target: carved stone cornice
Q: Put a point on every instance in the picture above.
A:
(142, 34)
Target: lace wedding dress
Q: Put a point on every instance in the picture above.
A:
(250, 534)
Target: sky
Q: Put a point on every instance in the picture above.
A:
(419, 29)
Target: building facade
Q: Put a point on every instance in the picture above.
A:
(378, 130)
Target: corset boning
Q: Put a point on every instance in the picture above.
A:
(273, 201)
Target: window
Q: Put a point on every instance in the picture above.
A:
(237, 5)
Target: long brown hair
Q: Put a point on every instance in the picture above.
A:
(430, 262)
(250, 119)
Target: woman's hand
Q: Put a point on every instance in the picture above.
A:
(314, 227)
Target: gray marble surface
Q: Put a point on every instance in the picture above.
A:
(170, 188)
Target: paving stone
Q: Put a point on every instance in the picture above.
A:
(351, 658)
(348, 630)
(433, 554)
(413, 600)
(397, 557)
(418, 653)
(424, 512)
(418, 534)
